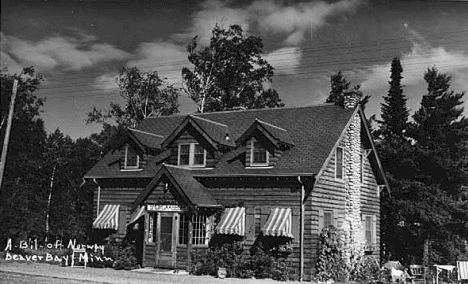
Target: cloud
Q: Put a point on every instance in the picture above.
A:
(210, 13)
(164, 57)
(415, 62)
(65, 52)
(285, 60)
(293, 22)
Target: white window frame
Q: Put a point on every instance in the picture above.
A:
(252, 163)
(196, 232)
(332, 213)
(126, 166)
(373, 228)
(342, 163)
(191, 156)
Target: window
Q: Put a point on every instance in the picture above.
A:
(184, 155)
(368, 229)
(192, 155)
(257, 221)
(199, 236)
(328, 219)
(131, 159)
(258, 154)
(339, 163)
(152, 225)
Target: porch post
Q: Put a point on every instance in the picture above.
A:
(189, 241)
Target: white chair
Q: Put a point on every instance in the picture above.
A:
(79, 255)
(462, 271)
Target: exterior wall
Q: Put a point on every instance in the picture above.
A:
(123, 194)
(370, 200)
(347, 198)
(264, 198)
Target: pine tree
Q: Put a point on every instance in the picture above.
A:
(394, 110)
(338, 84)
(441, 135)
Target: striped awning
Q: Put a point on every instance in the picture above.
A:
(108, 218)
(232, 222)
(279, 223)
(137, 214)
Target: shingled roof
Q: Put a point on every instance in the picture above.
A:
(191, 191)
(314, 130)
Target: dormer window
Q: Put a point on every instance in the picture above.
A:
(258, 154)
(191, 155)
(132, 160)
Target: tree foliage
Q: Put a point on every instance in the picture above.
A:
(229, 73)
(339, 83)
(145, 95)
(40, 166)
(426, 166)
(394, 110)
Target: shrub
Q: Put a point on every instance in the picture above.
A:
(262, 263)
(366, 269)
(330, 261)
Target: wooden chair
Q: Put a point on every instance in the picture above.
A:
(418, 273)
(462, 271)
(79, 255)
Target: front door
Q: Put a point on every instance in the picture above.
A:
(166, 239)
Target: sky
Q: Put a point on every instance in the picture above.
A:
(79, 46)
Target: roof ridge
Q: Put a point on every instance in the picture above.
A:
(145, 132)
(269, 124)
(205, 119)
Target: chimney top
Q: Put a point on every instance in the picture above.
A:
(351, 98)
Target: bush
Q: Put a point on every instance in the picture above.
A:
(330, 262)
(366, 269)
(261, 263)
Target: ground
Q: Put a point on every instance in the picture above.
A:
(31, 272)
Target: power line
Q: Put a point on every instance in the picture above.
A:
(87, 95)
(327, 48)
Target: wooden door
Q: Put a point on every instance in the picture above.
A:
(166, 239)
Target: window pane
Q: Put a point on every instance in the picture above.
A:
(199, 155)
(369, 229)
(339, 162)
(131, 159)
(184, 155)
(327, 219)
(259, 154)
(199, 230)
(183, 229)
(258, 220)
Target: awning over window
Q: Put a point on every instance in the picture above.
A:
(232, 222)
(108, 218)
(139, 211)
(279, 223)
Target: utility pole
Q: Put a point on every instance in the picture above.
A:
(7, 132)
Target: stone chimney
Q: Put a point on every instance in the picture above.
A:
(351, 98)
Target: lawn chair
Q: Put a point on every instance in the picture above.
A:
(418, 274)
(462, 271)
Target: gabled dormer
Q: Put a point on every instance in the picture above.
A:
(264, 143)
(134, 145)
(197, 142)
